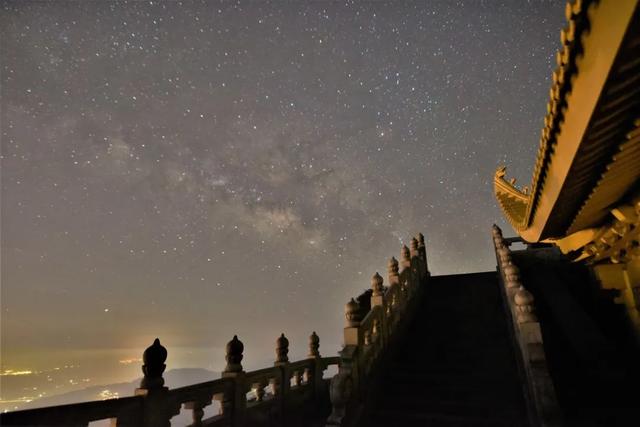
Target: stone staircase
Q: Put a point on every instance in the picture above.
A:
(456, 364)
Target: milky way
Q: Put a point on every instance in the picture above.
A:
(194, 170)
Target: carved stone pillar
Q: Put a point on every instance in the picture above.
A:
(282, 383)
(315, 377)
(422, 250)
(340, 392)
(353, 316)
(377, 297)
(282, 349)
(157, 408)
(236, 403)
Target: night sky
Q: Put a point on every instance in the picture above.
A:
(194, 170)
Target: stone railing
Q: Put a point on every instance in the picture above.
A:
(278, 394)
(286, 394)
(542, 404)
(374, 321)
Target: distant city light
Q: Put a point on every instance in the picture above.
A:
(11, 372)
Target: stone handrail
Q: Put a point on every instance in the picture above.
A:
(540, 396)
(272, 395)
(369, 337)
(128, 410)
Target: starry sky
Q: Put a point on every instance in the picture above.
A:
(194, 170)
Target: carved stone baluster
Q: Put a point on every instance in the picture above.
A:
(307, 375)
(237, 402)
(197, 412)
(259, 390)
(367, 337)
(276, 386)
(297, 377)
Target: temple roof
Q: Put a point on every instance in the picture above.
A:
(589, 156)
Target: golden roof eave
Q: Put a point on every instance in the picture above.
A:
(591, 42)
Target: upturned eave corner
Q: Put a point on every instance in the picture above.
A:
(513, 201)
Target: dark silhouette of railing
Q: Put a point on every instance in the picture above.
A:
(538, 388)
(372, 329)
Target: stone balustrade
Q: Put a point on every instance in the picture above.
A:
(519, 304)
(273, 395)
(373, 322)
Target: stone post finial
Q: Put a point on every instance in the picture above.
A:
(511, 275)
(282, 349)
(392, 266)
(525, 310)
(504, 255)
(422, 251)
(376, 285)
(392, 269)
(405, 257)
(352, 313)
(414, 247)
(314, 345)
(153, 366)
(234, 355)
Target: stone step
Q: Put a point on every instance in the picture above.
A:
(443, 371)
(456, 367)
(391, 417)
(464, 391)
(478, 403)
(462, 374)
